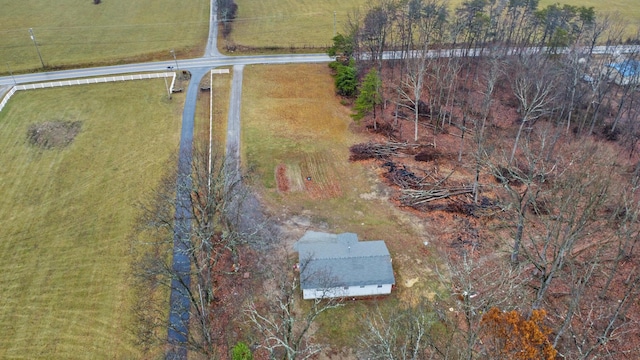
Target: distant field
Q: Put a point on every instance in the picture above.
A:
(67, 215)
(285, 23)
(628, 9)
(71, 32)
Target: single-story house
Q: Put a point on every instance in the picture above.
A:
(338, 265)
(625, 73)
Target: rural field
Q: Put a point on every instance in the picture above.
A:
(68, 211)
(71, 33)
(297, 126)
(292, 23)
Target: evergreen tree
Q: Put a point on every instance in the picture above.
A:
(346, 78)
(369, 96)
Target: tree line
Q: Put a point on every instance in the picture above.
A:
(495, 42)
(227, 12)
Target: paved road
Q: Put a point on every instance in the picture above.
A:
(214, 59)
(209, 62)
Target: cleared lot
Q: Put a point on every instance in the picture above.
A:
(296, 138)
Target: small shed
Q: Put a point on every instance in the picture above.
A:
(338, 265)
(626, 72)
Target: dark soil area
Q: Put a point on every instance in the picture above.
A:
(53, 134)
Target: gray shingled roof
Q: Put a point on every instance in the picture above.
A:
(330, 260)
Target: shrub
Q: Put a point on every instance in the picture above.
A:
(346, 79)
(241, 351)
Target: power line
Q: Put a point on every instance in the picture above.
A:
(33, 37)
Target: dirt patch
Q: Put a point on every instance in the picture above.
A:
(53, 134)
(427, 154)
(318, 190)
(314, 177)
(410, 282)
(282, 181)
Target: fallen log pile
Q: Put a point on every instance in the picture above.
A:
(415, 191)
(403, 177)
(371, 150)
(416, 198)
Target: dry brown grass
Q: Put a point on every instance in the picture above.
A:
(220, 91)
(295, 120)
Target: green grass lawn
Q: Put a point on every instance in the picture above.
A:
(299, 23)
(67, 215)
(71, 33)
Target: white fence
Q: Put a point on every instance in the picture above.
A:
(52, 84)
(6, 98)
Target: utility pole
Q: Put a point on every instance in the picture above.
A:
(174, 59)
(33, 37)
(334, 24)
(11, 72)
(210, 129)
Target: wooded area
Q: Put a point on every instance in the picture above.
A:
(541, 132)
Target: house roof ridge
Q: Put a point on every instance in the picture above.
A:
(356, 256)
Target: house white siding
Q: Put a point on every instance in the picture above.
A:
(623, 80)
(347, 291)
(341, 266)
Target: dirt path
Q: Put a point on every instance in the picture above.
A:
(211, 49)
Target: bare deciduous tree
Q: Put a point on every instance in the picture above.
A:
(573, 200)
(411, 333)
(523, 184)
(411, 88)
(209, 232)
(477, 288)
(602, 328)
(534, 86)
(285, 329)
